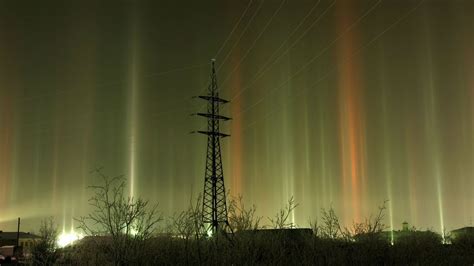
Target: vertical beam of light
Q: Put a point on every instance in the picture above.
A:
(288, 169)
(133, 105)
(386, 147)
(255, 180)
(63, 222)
(288, 145)
(16, 177)
(132, 131)
(469, 181)
(387, 164)
(8, 79)
(155, 169)
(431, 129)
(387, 160)
(350, 110)
(236, 129)
(6, 149)
(270, 156)
(306, 189)
(171, 173)
(413, 171)
(326, 190)
(10, 132)
(83, 58)
(37, 163)
(55, 160)
(85, 155)
(86, 136)
(307, 156)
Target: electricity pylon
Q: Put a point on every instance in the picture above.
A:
(214, 206)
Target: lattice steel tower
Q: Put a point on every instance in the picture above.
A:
(214, 207)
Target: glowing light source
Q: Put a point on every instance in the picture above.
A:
(66, 239)
(133, 231)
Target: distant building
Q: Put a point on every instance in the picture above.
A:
(405, 226)
(394, 235)
(26, 240)
(465, 231)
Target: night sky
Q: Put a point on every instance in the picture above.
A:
(337, 103)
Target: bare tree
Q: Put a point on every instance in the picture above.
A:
(330, 226)
(188, 223)
(281, 219)
(124, 222)
(240, 217)
(371, 225)
(44, 251)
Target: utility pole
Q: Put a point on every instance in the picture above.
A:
(214, 206)
(18, 233)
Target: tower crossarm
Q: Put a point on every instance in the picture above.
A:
(213, 99)
(221, 117)
(212, 133)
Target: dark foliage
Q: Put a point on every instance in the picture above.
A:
(328, 243)
(44, 251)
(287, 249)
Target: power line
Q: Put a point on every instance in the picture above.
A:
(255, 40)
(312, 59)
(378, 36)
(263, 69)
(241, 35)
(292, 45)
(230, 34)
(233, 29)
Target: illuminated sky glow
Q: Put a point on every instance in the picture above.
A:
(337, 103)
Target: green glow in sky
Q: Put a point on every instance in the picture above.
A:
(337, 103)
